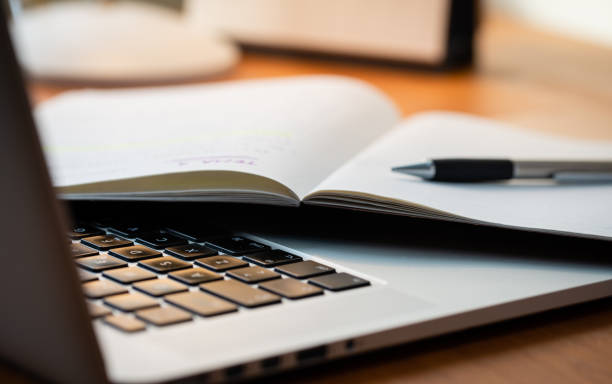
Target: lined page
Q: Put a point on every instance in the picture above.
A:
(366, 182)
(296, 131)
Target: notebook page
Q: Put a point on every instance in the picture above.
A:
(286, 129)
(583, 209)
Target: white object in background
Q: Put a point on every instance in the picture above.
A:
(586, 19)
(116, 43)
(405, 30)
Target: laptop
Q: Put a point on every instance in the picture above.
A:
(143, 293)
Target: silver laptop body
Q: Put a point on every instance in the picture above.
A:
(425, 279)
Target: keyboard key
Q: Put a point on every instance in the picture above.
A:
(85, 276)
(291, 288)
(102, 288)
(191, 251)
(164, 264)
(129, 302)
(159, 287)
(135, 253)
(160, 240)
(221, 263)
(198, 233)
(79, 250)
(130, 230)
(79, 231)
(129, 275)
(240, 293)
(97, 310)
(272, 258)
(304, 269)
(105, 242)
(125, 323)
(201, 303)
(163, 315)
(100, 262)
(236, 245)
(194, 276)
(339, 281)
(253, 275)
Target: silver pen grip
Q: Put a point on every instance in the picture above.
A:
(528, 169)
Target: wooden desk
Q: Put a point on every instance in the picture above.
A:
(523, 76)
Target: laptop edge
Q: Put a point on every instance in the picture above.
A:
(47, 328)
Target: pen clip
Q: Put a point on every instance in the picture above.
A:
(583, 177)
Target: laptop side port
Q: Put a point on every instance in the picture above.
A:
(349, 345)
(234, 372)
(312, 354)
(270, 363)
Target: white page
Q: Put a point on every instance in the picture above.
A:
(293, 130)
(535, 204)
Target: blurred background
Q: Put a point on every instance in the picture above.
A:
(527, 62)
(119, 41)
(588, 19)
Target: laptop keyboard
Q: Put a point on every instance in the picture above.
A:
(136, 277)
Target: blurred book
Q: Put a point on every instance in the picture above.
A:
(431, 33)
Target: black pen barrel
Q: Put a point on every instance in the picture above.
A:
(470, 170)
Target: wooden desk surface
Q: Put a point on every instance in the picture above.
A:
(524, 76)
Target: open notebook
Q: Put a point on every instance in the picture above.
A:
(314, 140)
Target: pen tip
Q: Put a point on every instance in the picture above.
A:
(424, 170)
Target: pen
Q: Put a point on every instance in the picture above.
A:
(469, 170)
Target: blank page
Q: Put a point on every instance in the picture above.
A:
(295, 131)
(584, 209)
